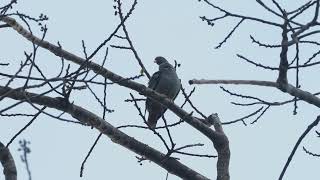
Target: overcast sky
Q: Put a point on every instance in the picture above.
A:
(173, 29)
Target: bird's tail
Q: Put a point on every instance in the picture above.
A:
(152, 120)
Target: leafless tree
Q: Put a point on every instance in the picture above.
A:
(85, 74)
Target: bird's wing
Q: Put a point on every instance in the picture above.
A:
(180, 86)
(154, 80)
(175, 96)
(153, 83)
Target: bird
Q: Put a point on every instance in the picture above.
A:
(165, 81)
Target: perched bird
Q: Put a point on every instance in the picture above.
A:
(165, 81)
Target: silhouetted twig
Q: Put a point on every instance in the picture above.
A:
(24, 147)
(312, 125)
(26, 126)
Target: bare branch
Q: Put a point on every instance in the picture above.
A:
(222, 147)
(283, 66)
(130, 41)
(7, 161)
(312, 125)
(114, 32)
(229, 35)
(235, 82)
(241, 16)
(87, 117)
(257, 64)
(310, 153)
(24, 147)
(26, 126)
(89, 153)
(243, 118)
(262, 44)
(288, 88)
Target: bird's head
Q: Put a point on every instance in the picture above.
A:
(160, 60)
(164, 65)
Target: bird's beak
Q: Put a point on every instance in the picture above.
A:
(155, 61)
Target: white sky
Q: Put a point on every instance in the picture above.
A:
(174, 30)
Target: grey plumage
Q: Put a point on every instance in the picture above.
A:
(165, 81)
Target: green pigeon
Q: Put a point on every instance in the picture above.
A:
(166, 82)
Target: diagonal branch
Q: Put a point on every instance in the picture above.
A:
(127, 37)
(117, 136)
(312, 125)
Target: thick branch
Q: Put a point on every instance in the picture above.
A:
(288, 88)
(236, 82)
(283, 66)
(7, 161)
(301, 94)
(222, 147)
(117, 136)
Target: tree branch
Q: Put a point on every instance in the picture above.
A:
(283, 66)
(222, 147)
(7, 161)
(312, 125)
(117, 136)
(235, 82)
(287, 88)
